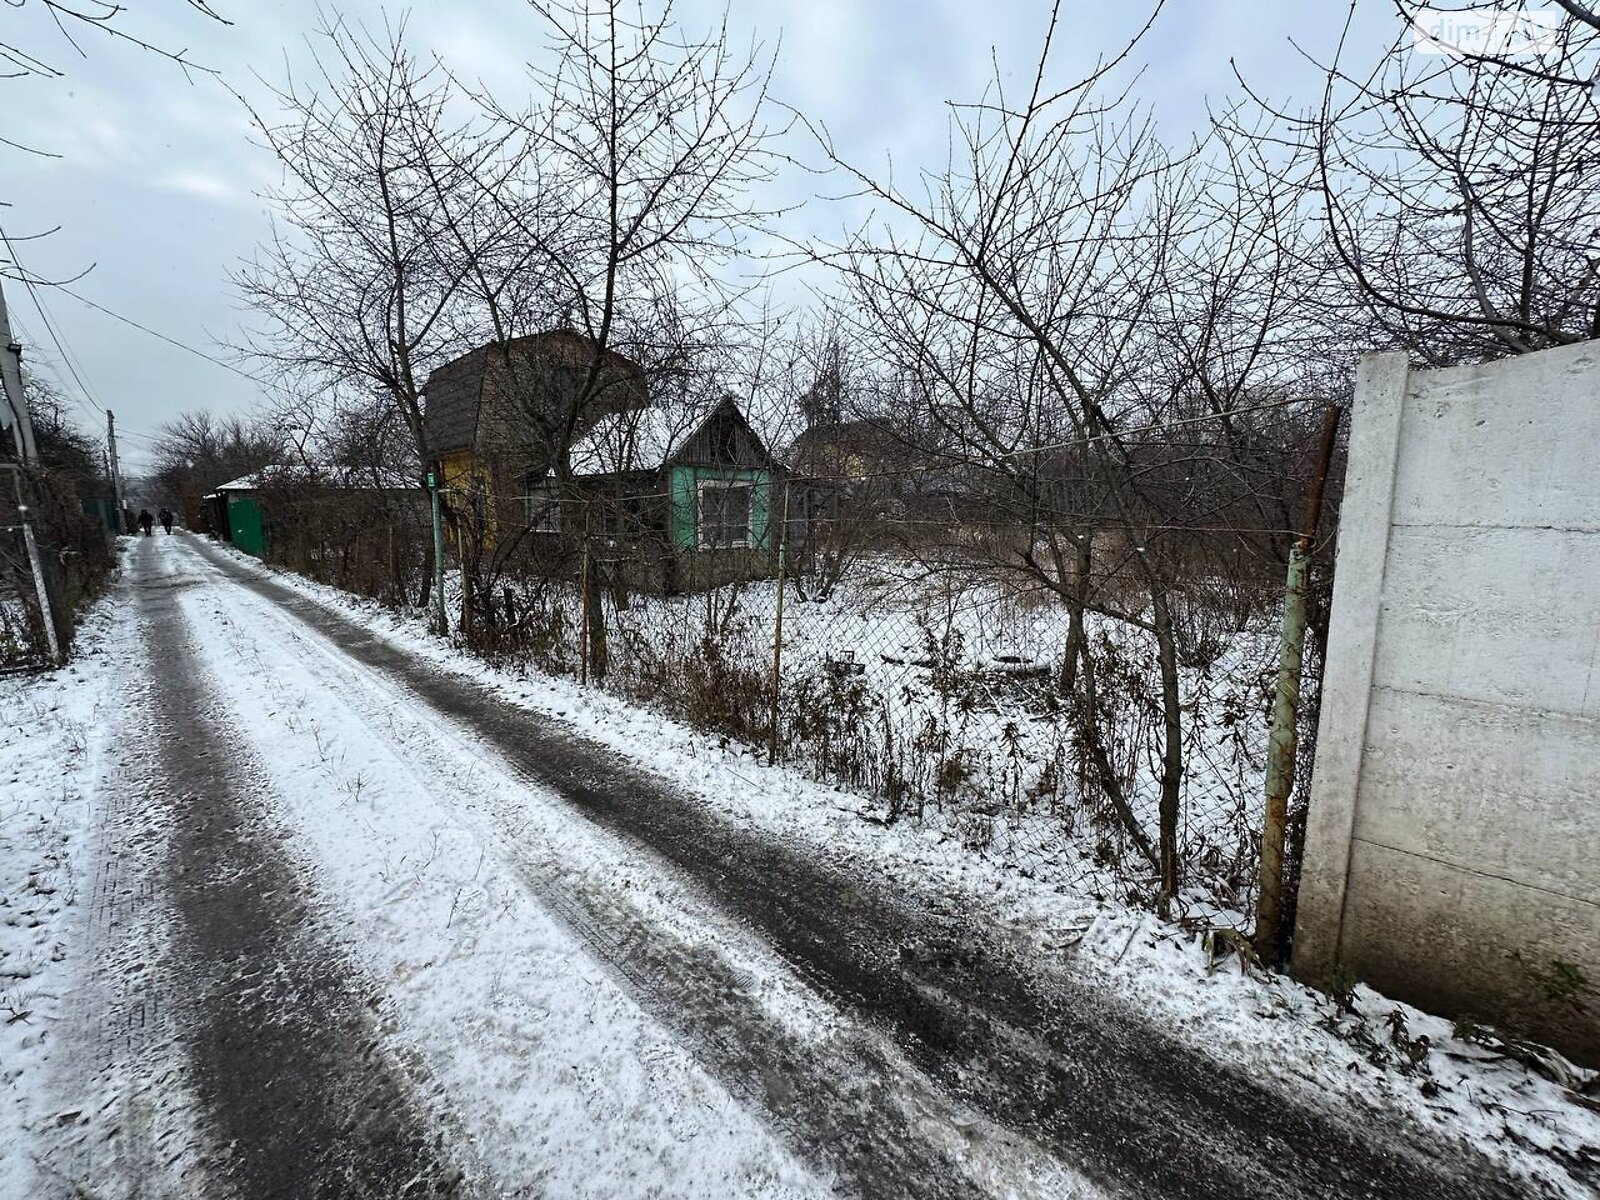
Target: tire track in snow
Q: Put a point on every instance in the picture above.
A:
(838, 1093)
(280, 1044)
(124, 1123)
(1132, 1108)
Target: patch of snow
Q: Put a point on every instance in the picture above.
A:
(51, 745)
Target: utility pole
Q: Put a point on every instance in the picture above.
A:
(11, 377)
(116, 472)
(27, 458)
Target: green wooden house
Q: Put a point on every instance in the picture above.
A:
(675, 501)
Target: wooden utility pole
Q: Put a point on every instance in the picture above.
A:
(116, 471)
(1283, 741)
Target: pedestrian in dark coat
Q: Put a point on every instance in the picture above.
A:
(165, 517)
(145, 521)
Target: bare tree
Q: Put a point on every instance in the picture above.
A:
(1088, 329)
(362, 287)
(199, 451)
(621, 223)
(1458, 193)
(65, 27)
(646, 144)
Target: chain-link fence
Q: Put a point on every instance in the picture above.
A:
(935, 685)
(998, 679)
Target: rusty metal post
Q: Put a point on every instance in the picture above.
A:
(1283, 741)
(441, 622)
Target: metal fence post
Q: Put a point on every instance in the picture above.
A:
(1282, 744)
(47, 612)
(777, 633)
(441, 621)
(583, 618)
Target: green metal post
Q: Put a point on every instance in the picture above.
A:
(440, 620)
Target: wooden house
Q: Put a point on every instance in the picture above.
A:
(671, 501)
(499, 416)
(538, 466)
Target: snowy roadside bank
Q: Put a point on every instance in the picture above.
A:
(52, 744)
(1268, 1026)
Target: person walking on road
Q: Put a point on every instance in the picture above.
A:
(145, 521)
(165, 517)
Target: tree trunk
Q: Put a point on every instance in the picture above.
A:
(1172, 739)
(595, 612)
(425, 588)
(1109, 783)
(1075, 634)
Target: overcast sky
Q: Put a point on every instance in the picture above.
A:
(156, 187)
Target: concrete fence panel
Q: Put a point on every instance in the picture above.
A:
(1453, 844)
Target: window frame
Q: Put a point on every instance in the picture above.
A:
(748, 486)
(549, 517)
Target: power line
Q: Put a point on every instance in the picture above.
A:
(171, 341)
(44, 315)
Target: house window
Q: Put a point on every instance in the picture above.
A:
(724, 514)
(543, 508)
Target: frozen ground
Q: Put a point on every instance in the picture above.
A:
(575, 950)
(940, 689)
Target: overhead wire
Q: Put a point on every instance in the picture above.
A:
(56, 338)
(171, 341)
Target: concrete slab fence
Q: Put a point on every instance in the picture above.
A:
(1453, 844)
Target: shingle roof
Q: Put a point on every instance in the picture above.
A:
(453, 392)
(456, 391)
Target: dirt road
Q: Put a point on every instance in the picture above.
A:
(887, 1043)
(278, 1050)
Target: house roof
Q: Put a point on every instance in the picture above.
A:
(322, 475)
(450, 416)
(648, 439)
(827, 446)
(456, 391)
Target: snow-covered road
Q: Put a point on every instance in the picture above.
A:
(359, 926)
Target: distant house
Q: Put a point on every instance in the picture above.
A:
(305, 498)
(662, 499)
(234, 512)
(881, 481)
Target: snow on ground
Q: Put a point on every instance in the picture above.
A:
(437, 855)
(1242, 1017)
(941, 689)
(51, 744)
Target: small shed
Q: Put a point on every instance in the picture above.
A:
(236, 514)
(298, 498)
